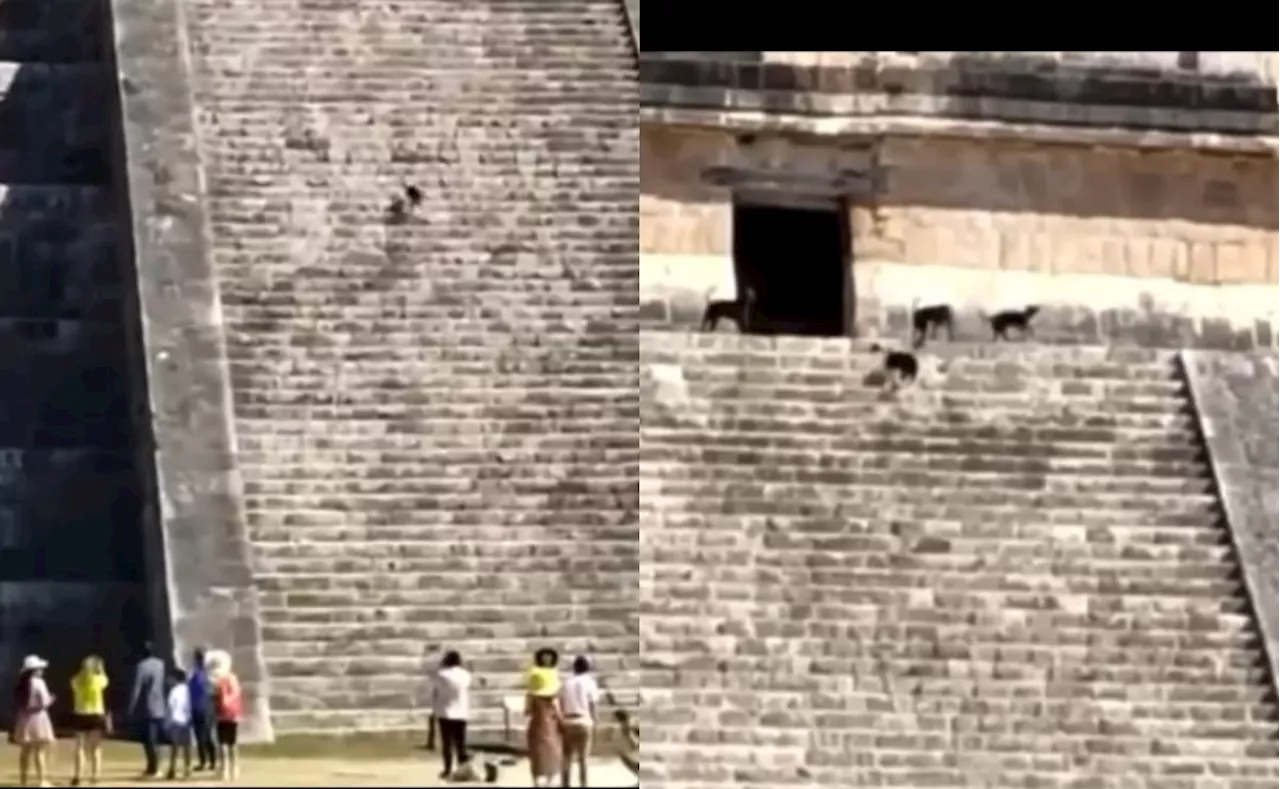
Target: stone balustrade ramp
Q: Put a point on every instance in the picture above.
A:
(1012, 573)
(1236, 397)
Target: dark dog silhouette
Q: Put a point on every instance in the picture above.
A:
(1001, 322)
(926, 321)
(738, 311)
(900, 367)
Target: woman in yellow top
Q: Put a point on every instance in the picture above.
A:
(544, 736)
(90, 719)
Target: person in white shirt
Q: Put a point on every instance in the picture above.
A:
(178, 723)
(579, 696)
(451, 706)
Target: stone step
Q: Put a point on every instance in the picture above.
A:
(701, 347)
(927, 713)
(1171, 449)
(745, 467)
(1138, 560)
(39, 341)
(1144, 559)
(994, 520)
(795, 492)
(351, 455)
(839, 405)
(1088, 598)
(1044, 710)
(511, 185)
(1196, 691)
(940, 388)
(73, 618)
(442, 491)
(277, 573)
(302, 660)
(870, 624)
(69, 47)
(556, 350)
(1145, 380)
(887, 420)
(103, 557)
(53, 31)
(53, 129)
(279, 518)
(1052, 574)
(683, 464)
(58, 209)
(68, 390)
(457, 628)
(362, 315)
(715, 756)
(307, 636)
(501, 672)
(46, 15)
(674, 649)
(666, 437)
(328, 591)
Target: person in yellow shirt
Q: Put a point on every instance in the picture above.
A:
(544, 740)
(90, 718)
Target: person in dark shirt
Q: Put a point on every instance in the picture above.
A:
(147, 706)
(202, 718)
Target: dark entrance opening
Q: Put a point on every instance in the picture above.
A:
(795, 259)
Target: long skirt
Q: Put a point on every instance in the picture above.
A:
(546, 743)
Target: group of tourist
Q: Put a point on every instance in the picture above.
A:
(203, 708)
(560, 717)
(165, 704)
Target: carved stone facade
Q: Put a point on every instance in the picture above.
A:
(1089, 191)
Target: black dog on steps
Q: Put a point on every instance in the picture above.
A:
(738, 311)
(926, 321)
(900, 367)
(1001, 322)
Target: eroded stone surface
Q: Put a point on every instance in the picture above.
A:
(1010, 574)
(198, 552)
(435, 416)
(1236, 395)
(970, 85)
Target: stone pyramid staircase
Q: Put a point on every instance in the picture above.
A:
(1010, 575)
(71, 552)
(436, 414)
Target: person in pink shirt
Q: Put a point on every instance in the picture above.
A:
(32, 728)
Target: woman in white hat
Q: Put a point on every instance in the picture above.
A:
(227, 707)
(32, 729)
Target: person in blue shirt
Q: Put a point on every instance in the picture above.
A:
(202, 717)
